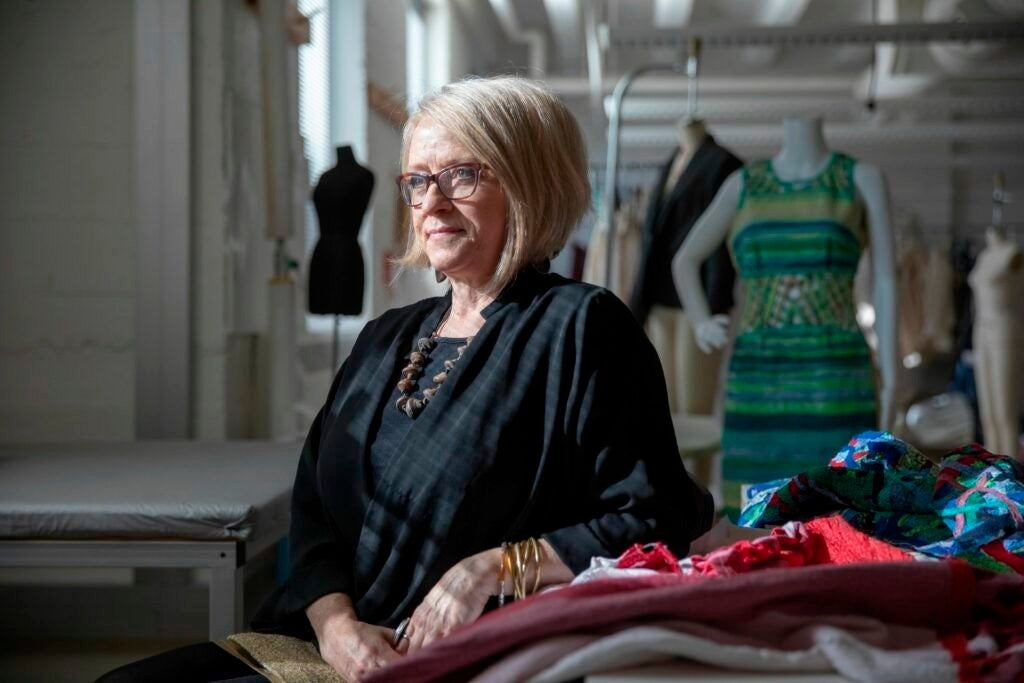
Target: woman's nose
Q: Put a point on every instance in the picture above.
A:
(434, 199)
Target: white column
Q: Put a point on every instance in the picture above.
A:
(163, 326)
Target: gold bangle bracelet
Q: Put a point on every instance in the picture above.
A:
(516, 560)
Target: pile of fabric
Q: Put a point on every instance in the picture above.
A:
(856, 589)
(969, 505)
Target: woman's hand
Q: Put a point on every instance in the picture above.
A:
(458, 598)
(353, 648)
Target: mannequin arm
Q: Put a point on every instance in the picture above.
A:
(704, 237)
(873, 190)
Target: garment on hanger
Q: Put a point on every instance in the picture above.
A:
(677, 200)
(671, 212)
(626, 252)
(963, 255)
(800, 379)
(912, 270)
(938, 301)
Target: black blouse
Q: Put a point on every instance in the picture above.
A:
(554, 423)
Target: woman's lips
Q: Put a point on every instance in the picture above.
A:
(441, 232)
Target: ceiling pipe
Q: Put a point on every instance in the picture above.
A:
(670, 109)
(595, 65)
(566, 23)
(614, 135)
(890, 135)
(536, 42)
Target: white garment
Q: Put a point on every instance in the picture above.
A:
(832, 650)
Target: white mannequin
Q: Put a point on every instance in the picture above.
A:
(997, 281)
(692, 376)
(803, 155)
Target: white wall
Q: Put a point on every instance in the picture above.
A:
(67, 237)
(385, 68)
(211, 22)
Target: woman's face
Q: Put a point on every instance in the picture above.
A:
(462, 238)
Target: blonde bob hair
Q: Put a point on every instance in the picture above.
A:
(532, 144)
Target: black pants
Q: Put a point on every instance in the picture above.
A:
(200, 663)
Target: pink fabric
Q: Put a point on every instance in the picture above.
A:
(948, 597)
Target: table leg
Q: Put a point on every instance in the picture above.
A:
(226, 601)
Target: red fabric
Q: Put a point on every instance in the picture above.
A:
(775, 550)
(843, 544)
(829, 540)
(654, 556)
(991, 646)
(997, 551)
(945, 596)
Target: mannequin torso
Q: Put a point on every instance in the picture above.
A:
(800, 378)
(799, 135)
(997, 282)
(995, 279)
(685, 187)
(341, 197)
(691, 135)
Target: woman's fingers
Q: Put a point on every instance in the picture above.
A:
(359, 651)
(402, 646)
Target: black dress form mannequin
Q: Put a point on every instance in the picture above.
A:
(336, 278)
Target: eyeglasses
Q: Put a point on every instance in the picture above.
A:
(454, 182)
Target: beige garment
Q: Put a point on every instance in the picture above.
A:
(626, 257)
(282, 659)
(938, 301)
(912, 269)
(692, 376)
(997, 282)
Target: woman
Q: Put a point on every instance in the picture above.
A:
(519, 406)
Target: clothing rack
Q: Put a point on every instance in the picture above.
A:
(817, 36)
(803, 36)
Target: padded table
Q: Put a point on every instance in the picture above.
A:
(186, 504)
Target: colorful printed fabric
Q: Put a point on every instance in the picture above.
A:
(970, 505)
(800, 377)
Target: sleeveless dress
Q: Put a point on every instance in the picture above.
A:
(800, 381)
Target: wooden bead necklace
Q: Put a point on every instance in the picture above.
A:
(409, 404)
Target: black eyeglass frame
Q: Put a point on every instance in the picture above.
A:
(433, 178)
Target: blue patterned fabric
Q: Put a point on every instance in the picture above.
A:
(969, 505)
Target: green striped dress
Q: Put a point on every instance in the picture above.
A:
(800, 380)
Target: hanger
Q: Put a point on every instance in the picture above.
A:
(692, 70)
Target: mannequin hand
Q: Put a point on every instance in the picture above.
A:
(712, 333)
(354, 648)
(458, 598)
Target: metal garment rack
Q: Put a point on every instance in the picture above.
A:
(797, 36)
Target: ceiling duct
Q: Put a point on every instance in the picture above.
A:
(535, 41)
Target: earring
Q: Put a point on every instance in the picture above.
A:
(439, 276)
